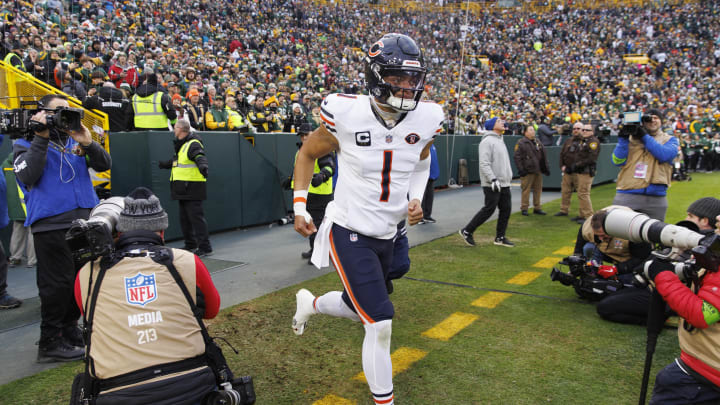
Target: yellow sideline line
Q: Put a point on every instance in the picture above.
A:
(450, 327)
(565, 251)
(402, 359)
(490, 300)
(524, 278)
(331, 399)
(547, 262)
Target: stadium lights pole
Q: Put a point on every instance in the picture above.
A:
(464, 32)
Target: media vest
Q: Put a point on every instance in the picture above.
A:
(185, 169)
(323, 189)
(58, 191)
(654, 173)
(149, 112)
(702, 344)
(142, 318)
(16, 63)
(616, 248)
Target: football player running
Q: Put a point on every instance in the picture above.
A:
(383, 147)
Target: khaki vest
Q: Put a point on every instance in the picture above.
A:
(702, 344)
(149, 112)
(616, 248)
(657, 173)
(185, 169)
(138, 324)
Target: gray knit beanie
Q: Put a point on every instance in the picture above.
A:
(142, 212)
(706, 207)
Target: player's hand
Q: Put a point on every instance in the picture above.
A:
(415, 212)
(304, 227)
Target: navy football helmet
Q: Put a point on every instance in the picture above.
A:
(394, 69)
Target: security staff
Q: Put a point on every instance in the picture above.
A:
(145, 343)
(531, 162)
(111, 101)
(578, 160)
(187, 183)
(13, 57)
(320, 192)
(52, 171)
(152, 106)
(646, 166)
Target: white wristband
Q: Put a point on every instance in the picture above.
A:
(300, 204)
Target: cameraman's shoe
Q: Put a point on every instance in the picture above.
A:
(57, 349)
(73, 336)
(202, 252)
(7, 301)
(304, 310)
(467, 237)
(306, 255)
(503, 241)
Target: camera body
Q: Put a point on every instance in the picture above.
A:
(93, 238)
(240, 391)
(584, 278)
(632, 125)
(18, 123)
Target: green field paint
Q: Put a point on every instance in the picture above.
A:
(565, 251)
(490, 300)
(524, 278)
(331, 399)
(402, 359)
(547, 262)
(450, 327)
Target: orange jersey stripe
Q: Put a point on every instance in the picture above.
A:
(326, 120)
(299, 199)
(341, 272)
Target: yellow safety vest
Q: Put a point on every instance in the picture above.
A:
(325, 188)
(9, 56)
(149, 112)
(185, 169)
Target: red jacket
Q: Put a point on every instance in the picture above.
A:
(131, 76)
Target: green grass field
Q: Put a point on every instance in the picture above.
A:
(548, 347)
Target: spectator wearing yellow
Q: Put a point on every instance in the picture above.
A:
(216, 119)
(235, 120)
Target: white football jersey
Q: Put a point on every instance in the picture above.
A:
(374, 162)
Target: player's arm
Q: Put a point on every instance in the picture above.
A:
(318, 144)
(418, 182)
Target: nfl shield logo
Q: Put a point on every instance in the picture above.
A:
(388, 138)
(353, 237)
(140, 289)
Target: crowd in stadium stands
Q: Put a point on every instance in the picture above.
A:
(272, 62)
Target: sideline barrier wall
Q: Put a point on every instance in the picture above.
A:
(244, 181)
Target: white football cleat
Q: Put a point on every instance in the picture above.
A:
(304, 310)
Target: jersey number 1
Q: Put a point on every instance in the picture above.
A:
(385, 178)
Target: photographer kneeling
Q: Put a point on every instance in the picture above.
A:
(630, 305)
(145, 340)
(694, 377)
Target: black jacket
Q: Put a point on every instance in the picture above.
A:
(110, 100)
(530, 157)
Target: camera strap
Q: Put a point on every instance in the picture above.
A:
(216, 360)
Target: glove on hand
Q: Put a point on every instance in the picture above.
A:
(318, 179)
(203, 170)
(656, 267)
(165, 164)
(495, 185)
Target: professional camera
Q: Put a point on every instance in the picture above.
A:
(93, 238)
(637, 227)
(240, 392)
(632, 125)
(17, 123)
(584, 277)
